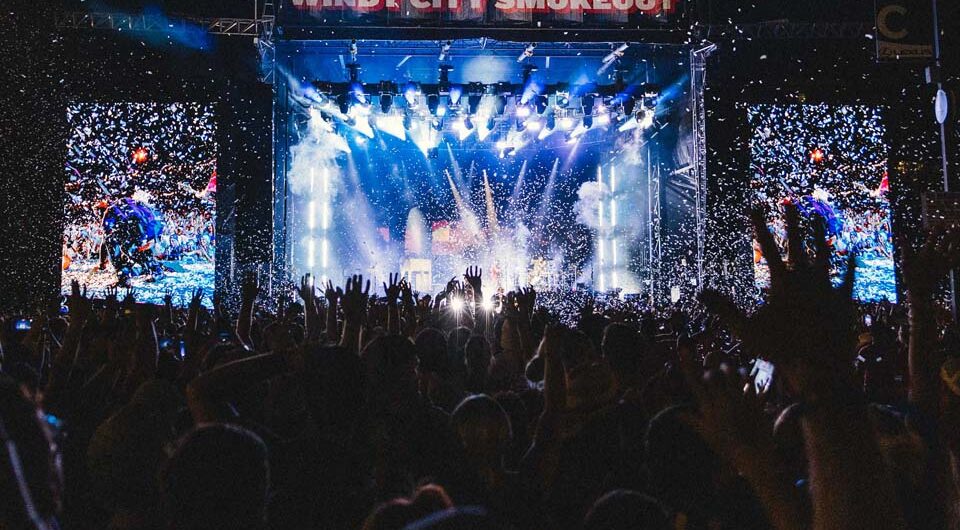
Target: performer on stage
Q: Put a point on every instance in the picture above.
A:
(130, 229)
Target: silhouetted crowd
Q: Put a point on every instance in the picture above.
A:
(326, 407)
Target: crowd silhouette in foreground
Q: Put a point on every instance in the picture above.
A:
(340, 410)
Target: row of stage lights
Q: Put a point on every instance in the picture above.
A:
(476, 107)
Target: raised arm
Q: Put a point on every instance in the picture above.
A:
(392, 293)
(922, 270)
(354, 302)
(807, 329)
(333, 296)
(311, 317)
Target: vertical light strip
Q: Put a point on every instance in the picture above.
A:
(325, 212)
(311, 253)
(324, 253)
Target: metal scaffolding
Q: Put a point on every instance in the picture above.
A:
(241, 27)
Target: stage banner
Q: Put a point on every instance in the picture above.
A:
(904, 30)
(539, 14)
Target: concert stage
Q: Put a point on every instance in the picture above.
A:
(552, 164)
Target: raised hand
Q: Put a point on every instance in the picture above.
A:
(332, 294)
(196, 298)
(407, 297)
(393, 288)
(78, 302)
(473, 277)
(807, 327)
(355, 297)
(526, 300)
(307, 290)
(129, 299)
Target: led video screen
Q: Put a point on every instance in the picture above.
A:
(140, 199)
(832, 161)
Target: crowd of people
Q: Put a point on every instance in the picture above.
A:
(332, 408)
(183, 236)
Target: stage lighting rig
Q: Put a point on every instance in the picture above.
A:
(541, 103)
(475, 93)
(444, 85)
(412, 92)
(587, 102)
(613, 57)
(644, 117)
(445, 50)
(433, 103)
(387, 91)
(527, 52)
(499, 104)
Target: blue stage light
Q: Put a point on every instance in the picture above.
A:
(456, 92)
(410, 92)
(541, 103)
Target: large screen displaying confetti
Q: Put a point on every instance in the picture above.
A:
(140, 201)
(832, 161)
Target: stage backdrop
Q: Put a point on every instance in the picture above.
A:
(375, 176)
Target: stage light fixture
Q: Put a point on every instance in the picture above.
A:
(491, 124)
(433, 103)
(468, 123)
(644, 117)
(527, 52)
(523, 111)
(411, 92)
(500, 104)
(353, 51)
(343, 103)
(588, 120)
(587, 102)
(456, 92)
(437, 124)
(386, 102)
(473, 103)
(541, 103)
(629, 104)
(407, 121)
(387, 90)
(551, 122)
